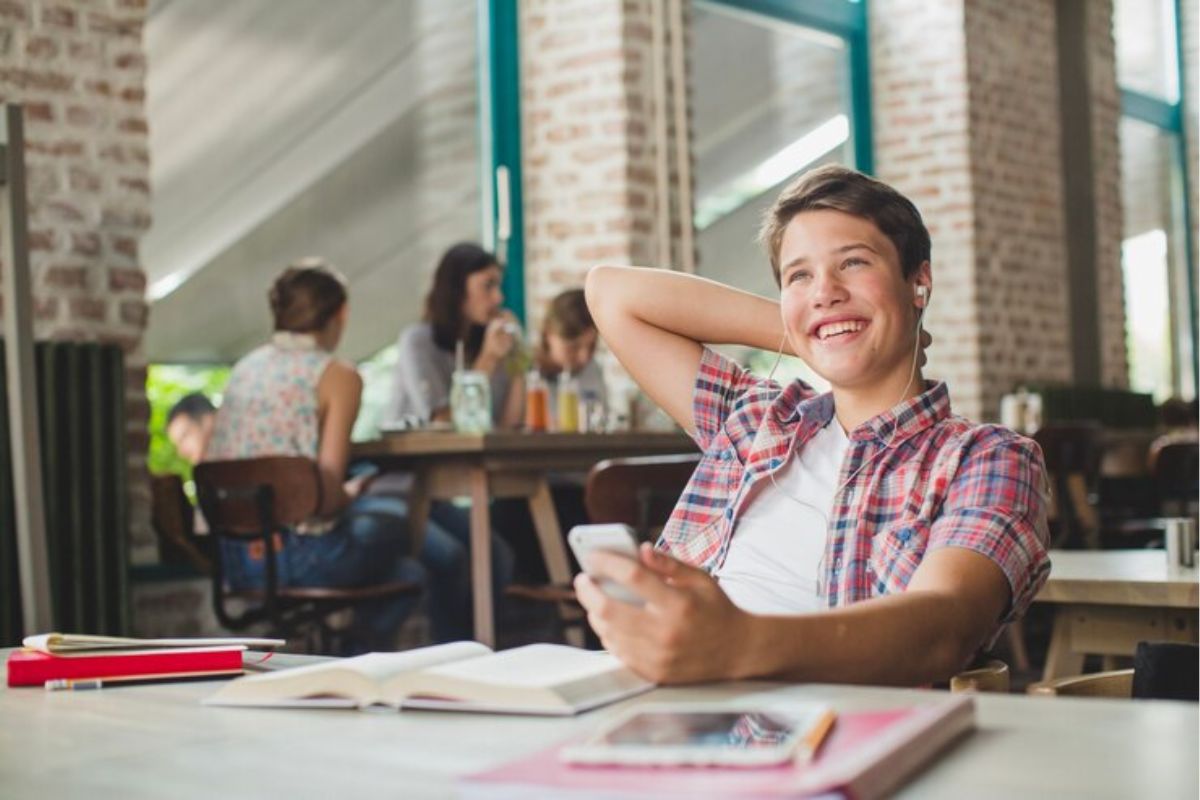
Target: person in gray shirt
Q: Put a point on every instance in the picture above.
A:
(464, 305)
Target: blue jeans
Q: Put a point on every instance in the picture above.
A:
(370, 544)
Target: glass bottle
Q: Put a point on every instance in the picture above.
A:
(470, 401)
(568, 403)
(537, 403)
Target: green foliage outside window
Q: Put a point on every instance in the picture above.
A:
(165, 385)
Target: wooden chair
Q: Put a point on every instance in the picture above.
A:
(1175, 465)
(1072, 453)
(1117, 683)
(988, 676)
(173, 519)
(255, 501)
(639, 492)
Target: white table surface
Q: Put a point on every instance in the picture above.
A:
(158, 741)
(1119, 577)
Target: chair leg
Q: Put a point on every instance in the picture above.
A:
(1015, 635)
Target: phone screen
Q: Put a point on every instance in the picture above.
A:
(723, 729)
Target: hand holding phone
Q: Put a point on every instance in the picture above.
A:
(613, 538)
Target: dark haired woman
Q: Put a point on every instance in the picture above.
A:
(465, 304)
(291, 396)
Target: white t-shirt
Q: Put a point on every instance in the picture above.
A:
(774, 559)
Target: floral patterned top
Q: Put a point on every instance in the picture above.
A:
(270, 405)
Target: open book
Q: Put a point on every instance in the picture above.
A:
(65, 644)
(545, 679)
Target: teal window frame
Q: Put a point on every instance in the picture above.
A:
(1168, 117)
(499, 80)
(846, 19)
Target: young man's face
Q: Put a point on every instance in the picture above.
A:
(848, 311)
(190, 436)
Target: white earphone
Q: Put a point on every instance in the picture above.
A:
(922, 293)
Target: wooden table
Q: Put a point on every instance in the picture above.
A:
(1109, 600)
(158, 741)
(447, 465)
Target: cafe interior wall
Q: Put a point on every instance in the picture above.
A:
(590, 159)
(78, 68)
(966, 121)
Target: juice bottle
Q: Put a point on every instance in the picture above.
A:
(537, 403)
(568, 403)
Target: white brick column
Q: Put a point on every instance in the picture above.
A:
(78, 67)
(588, 120)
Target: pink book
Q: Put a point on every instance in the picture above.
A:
(867, 755)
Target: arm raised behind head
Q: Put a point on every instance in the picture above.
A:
(656, 321)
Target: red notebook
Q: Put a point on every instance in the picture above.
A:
(34, 668)
(867, 755)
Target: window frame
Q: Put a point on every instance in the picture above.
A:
(499, 79)
(847, 20)
(1168, 117)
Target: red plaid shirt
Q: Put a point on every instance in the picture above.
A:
(946, 482)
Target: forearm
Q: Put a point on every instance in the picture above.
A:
(696, 308)
(908, 639)
(656, 323)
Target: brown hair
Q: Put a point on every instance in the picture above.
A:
(566, 316)
(443, 304)
(840, 189)
(307, 296)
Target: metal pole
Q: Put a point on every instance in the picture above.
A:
(32, 561)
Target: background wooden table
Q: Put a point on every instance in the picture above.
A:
(1109, 600)
(482, 467)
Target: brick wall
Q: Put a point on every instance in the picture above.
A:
(1106, 177)
(78, 67)
(966, 119)
(922, 147)
(587, 106)
(966, 123)
(1016, 163)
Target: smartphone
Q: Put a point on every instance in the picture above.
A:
(704, 735)
(614, 538)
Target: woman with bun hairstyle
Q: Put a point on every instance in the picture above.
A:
(292, 396)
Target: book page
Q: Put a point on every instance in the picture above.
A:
(381, 667)
(57, 643)
(533, 666)
(361, 677)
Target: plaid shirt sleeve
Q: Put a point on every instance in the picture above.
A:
(719, 383)
(996, 506)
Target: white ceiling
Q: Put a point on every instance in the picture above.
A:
(283, 128)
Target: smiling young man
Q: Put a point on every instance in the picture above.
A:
(863, 535)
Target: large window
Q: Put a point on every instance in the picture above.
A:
(364, 131)
(794, 98)
(1160, 306)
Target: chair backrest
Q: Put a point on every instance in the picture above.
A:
(1072, 453)
(173, 519)
(1176, 470)
(231, 492)
(1166, 671)
(640, 492)
(1070, 447)
(1115, 684)
(989, 676)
